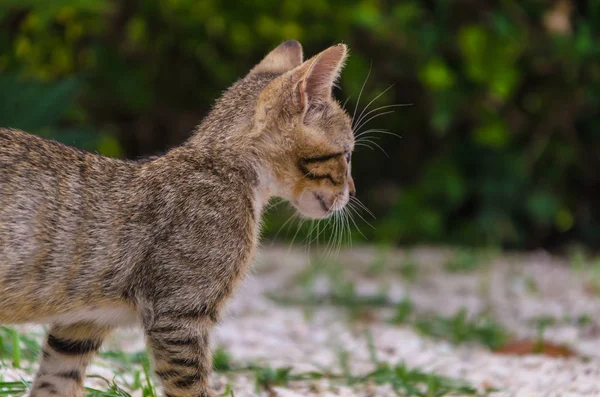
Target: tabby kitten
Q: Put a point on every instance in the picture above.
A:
(89, 243)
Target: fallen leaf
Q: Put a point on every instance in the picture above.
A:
(526, 347)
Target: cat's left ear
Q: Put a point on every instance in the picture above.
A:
(283, 58)
(316, 77)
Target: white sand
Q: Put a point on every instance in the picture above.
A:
(516, 289)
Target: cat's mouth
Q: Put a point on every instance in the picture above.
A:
(319, 206)
(321, 201)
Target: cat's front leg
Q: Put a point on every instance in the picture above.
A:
(181, 352)
(66, 354)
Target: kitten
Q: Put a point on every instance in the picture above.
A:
(89, 243)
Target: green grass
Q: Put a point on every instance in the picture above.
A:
(464, 261)
(15, 347)
(409, 270)
(590, 267)
(222, 360)
(342, 292)
(20, 388)
(459, 328)
(405, 381)
(403, 312)
(13, 388)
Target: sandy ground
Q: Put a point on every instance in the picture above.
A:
(515, 289)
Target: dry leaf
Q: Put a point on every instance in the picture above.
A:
(525, 347)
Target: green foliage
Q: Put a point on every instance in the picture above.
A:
(459, 328)
(267, 377)
(15, 347)
(221, 359)
(32, 105)
(500, 147)
(413, 382)
(403, 311)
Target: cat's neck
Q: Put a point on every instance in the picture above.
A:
(226, 137)
(234, 149)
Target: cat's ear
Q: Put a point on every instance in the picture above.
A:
(285, 57)
(316, 77)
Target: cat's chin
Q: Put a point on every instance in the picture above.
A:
(313, 214)
(314, 206)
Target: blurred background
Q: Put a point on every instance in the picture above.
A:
(498, 150)
(501, 146)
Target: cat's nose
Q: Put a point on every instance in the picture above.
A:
(351, 187)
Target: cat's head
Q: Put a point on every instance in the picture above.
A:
(307, 135)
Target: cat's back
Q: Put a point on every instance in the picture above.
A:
(35, 170)
(28, 157)
(58, 206)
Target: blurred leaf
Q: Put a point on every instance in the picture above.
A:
(32, 105)
(437, 75)
(473, 42)
(492, 134)
(564, 219)
(55, 5)
(500, 147)
(109, 146)
(543, 207)
(367, 14)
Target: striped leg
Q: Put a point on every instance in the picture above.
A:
(181, 352)
(66, 354)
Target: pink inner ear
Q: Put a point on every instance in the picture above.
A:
(323, 73)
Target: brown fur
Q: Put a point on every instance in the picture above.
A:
(89, 243)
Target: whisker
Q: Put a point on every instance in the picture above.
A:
(345, 102)
(350, 208)
(334, 228)
(293, 217)
(319, 232)
(274, 204)
(348, 230)
(363, 144)
(361, 91)
(343, 229)
(363, 206)
(384, 132)
(333, 225)
(373, 100)
(367, 139)
(396, 105)
(372, 118)
(310, 230)
(295, 234)
(341, 235)
(373, 143)
(363, 219)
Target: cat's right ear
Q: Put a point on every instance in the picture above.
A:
(315, 78)
(285, 57)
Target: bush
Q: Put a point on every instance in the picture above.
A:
(500, 147)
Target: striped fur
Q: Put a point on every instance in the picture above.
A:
(89, 243)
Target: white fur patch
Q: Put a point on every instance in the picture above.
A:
(111, 316)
